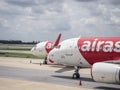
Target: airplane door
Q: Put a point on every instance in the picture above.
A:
(117, 75)
(67, 53)
(70, 53)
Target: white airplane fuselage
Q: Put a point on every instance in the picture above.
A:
(42, 48)
(84, 52)
(93, 52)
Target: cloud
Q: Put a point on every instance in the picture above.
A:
(43, 19)
(114, 2)
(23, 3)
(86, 0)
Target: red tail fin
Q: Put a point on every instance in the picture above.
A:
(57, 40)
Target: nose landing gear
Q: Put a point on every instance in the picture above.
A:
(76, 75)
(45, 60)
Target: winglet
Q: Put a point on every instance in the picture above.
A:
(57, 40)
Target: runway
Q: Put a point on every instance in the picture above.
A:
(49, 76)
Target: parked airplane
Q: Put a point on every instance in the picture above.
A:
(99, 53)
(43, 48)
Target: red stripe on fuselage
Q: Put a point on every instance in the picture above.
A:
(99, 49)
(51, 61)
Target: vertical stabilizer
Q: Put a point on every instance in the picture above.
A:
(57, 40)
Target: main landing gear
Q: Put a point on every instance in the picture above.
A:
(76, 75)
(45, 60)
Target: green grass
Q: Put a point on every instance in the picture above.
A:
(26, 45)
(21, 55)
(17, 49)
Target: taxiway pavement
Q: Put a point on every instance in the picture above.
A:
(19, 73)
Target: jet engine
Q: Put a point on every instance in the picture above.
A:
(106, 72)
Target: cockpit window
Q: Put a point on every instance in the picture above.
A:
(58, 47)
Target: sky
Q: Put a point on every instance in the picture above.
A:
(41, 20)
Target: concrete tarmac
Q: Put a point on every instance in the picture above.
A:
(19, 73)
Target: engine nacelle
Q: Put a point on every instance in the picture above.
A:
(106, 73)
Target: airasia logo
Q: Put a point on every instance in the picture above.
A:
(100, 45)
(49, 46)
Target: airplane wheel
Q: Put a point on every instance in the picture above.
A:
(45, 62)
(76, 75)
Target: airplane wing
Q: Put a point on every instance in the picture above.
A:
(64, 69)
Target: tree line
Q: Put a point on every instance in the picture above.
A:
(16, 42)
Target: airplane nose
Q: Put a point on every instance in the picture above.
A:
(33, 50)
